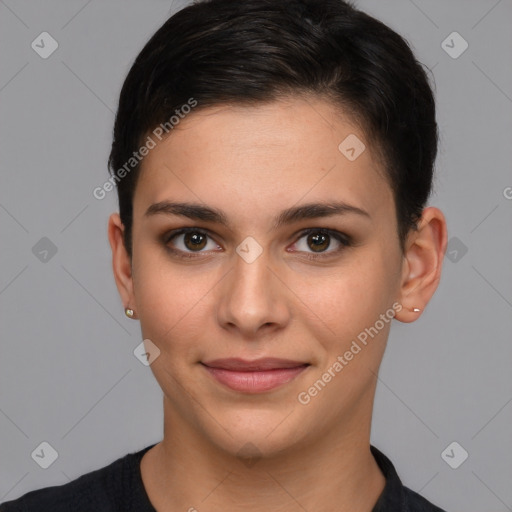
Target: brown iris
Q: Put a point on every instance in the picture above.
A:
(197, 241)
(320, 241)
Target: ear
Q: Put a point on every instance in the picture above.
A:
(423, 261)
(121, 262)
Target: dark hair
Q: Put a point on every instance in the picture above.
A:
(255, 51)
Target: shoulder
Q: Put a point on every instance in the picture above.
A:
(396, 497)
(87, 491)
(98, 490)
(414, 502)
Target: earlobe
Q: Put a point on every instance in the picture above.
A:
(423, 261)
(121, 262)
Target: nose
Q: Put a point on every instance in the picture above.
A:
(253, 299)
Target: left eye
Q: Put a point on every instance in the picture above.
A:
(319, 240)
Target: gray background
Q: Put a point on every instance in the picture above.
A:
(68, 375)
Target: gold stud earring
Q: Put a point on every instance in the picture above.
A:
(129, 312)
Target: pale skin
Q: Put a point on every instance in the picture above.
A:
(252, 163)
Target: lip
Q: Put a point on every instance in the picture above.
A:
(264, 363)
(254, 376)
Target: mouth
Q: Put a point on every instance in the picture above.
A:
(254, 376)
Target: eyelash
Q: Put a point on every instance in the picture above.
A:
(343, 239)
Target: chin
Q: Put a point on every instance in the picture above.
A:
(254, 434)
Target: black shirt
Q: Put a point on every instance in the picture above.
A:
(118, 487)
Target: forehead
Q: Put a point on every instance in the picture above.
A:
(269, 155)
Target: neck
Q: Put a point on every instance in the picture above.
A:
(333, 471)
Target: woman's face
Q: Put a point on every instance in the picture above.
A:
(248, 288)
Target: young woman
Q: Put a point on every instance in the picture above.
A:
(273, 162)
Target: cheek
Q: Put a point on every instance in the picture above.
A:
(172, 300)
(348, 327)
(347, 299)
(347, 323)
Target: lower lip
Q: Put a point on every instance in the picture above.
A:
(255, 381)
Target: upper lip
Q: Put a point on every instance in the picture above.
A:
(266, 363)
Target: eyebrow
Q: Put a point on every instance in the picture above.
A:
(196, 211)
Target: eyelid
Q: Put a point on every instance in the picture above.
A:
(188, 229)
(338, 235)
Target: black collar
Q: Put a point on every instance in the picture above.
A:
(393, 495)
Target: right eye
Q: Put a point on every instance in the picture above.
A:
(188, 242)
